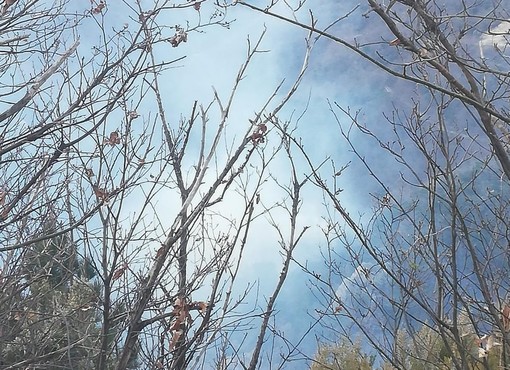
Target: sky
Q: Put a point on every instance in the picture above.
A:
(213, 57)
(212, 60)
(333, 74)
(336, 74)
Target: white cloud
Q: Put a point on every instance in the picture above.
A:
(498, 37)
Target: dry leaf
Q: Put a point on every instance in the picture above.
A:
(99, 8)
(114, 138)
(175, 337)
(119, 272)
(100, 193)
(89, 173)
(505, 317)
(178, 303)
(257, 136)
(196, 6)
(200, 306)
(3, 194)
(160, 252)
(176, 324)
(7, 4)
(180, 36)
(395, 42)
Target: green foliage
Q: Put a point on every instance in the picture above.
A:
(344, 355)
(424, 350)
(51, 320)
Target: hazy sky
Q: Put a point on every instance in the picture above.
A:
(335, 75)
(213, 59)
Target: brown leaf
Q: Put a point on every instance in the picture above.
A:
(257, 136)
(99, 8)
(7, 4)
(160, 252)
(505, 317)
(89, 173)
(100, 193)
(181, 316)
(119, 272)
(395, 42)
(178, 303)
(200, 306)
(180, 36)
(3, 194)
(114, 138)
(176, 324)
(175, 337)
(196, 6)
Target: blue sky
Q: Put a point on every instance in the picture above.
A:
(212, 60)
(334, 74)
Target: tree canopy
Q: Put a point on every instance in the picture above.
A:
(339, 199)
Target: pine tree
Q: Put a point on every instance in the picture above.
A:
(49, 317)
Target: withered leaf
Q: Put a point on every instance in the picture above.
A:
(505, 317)
(175, 337)
(180, 36)
(257, 136)
(3, 194)
(395, 42)
(178, 303)
(202, 306)
(114, 138)
(99, 8)
(100, 193)
(89, 173)
(119, 272)
(160, 252)
(7, 4)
